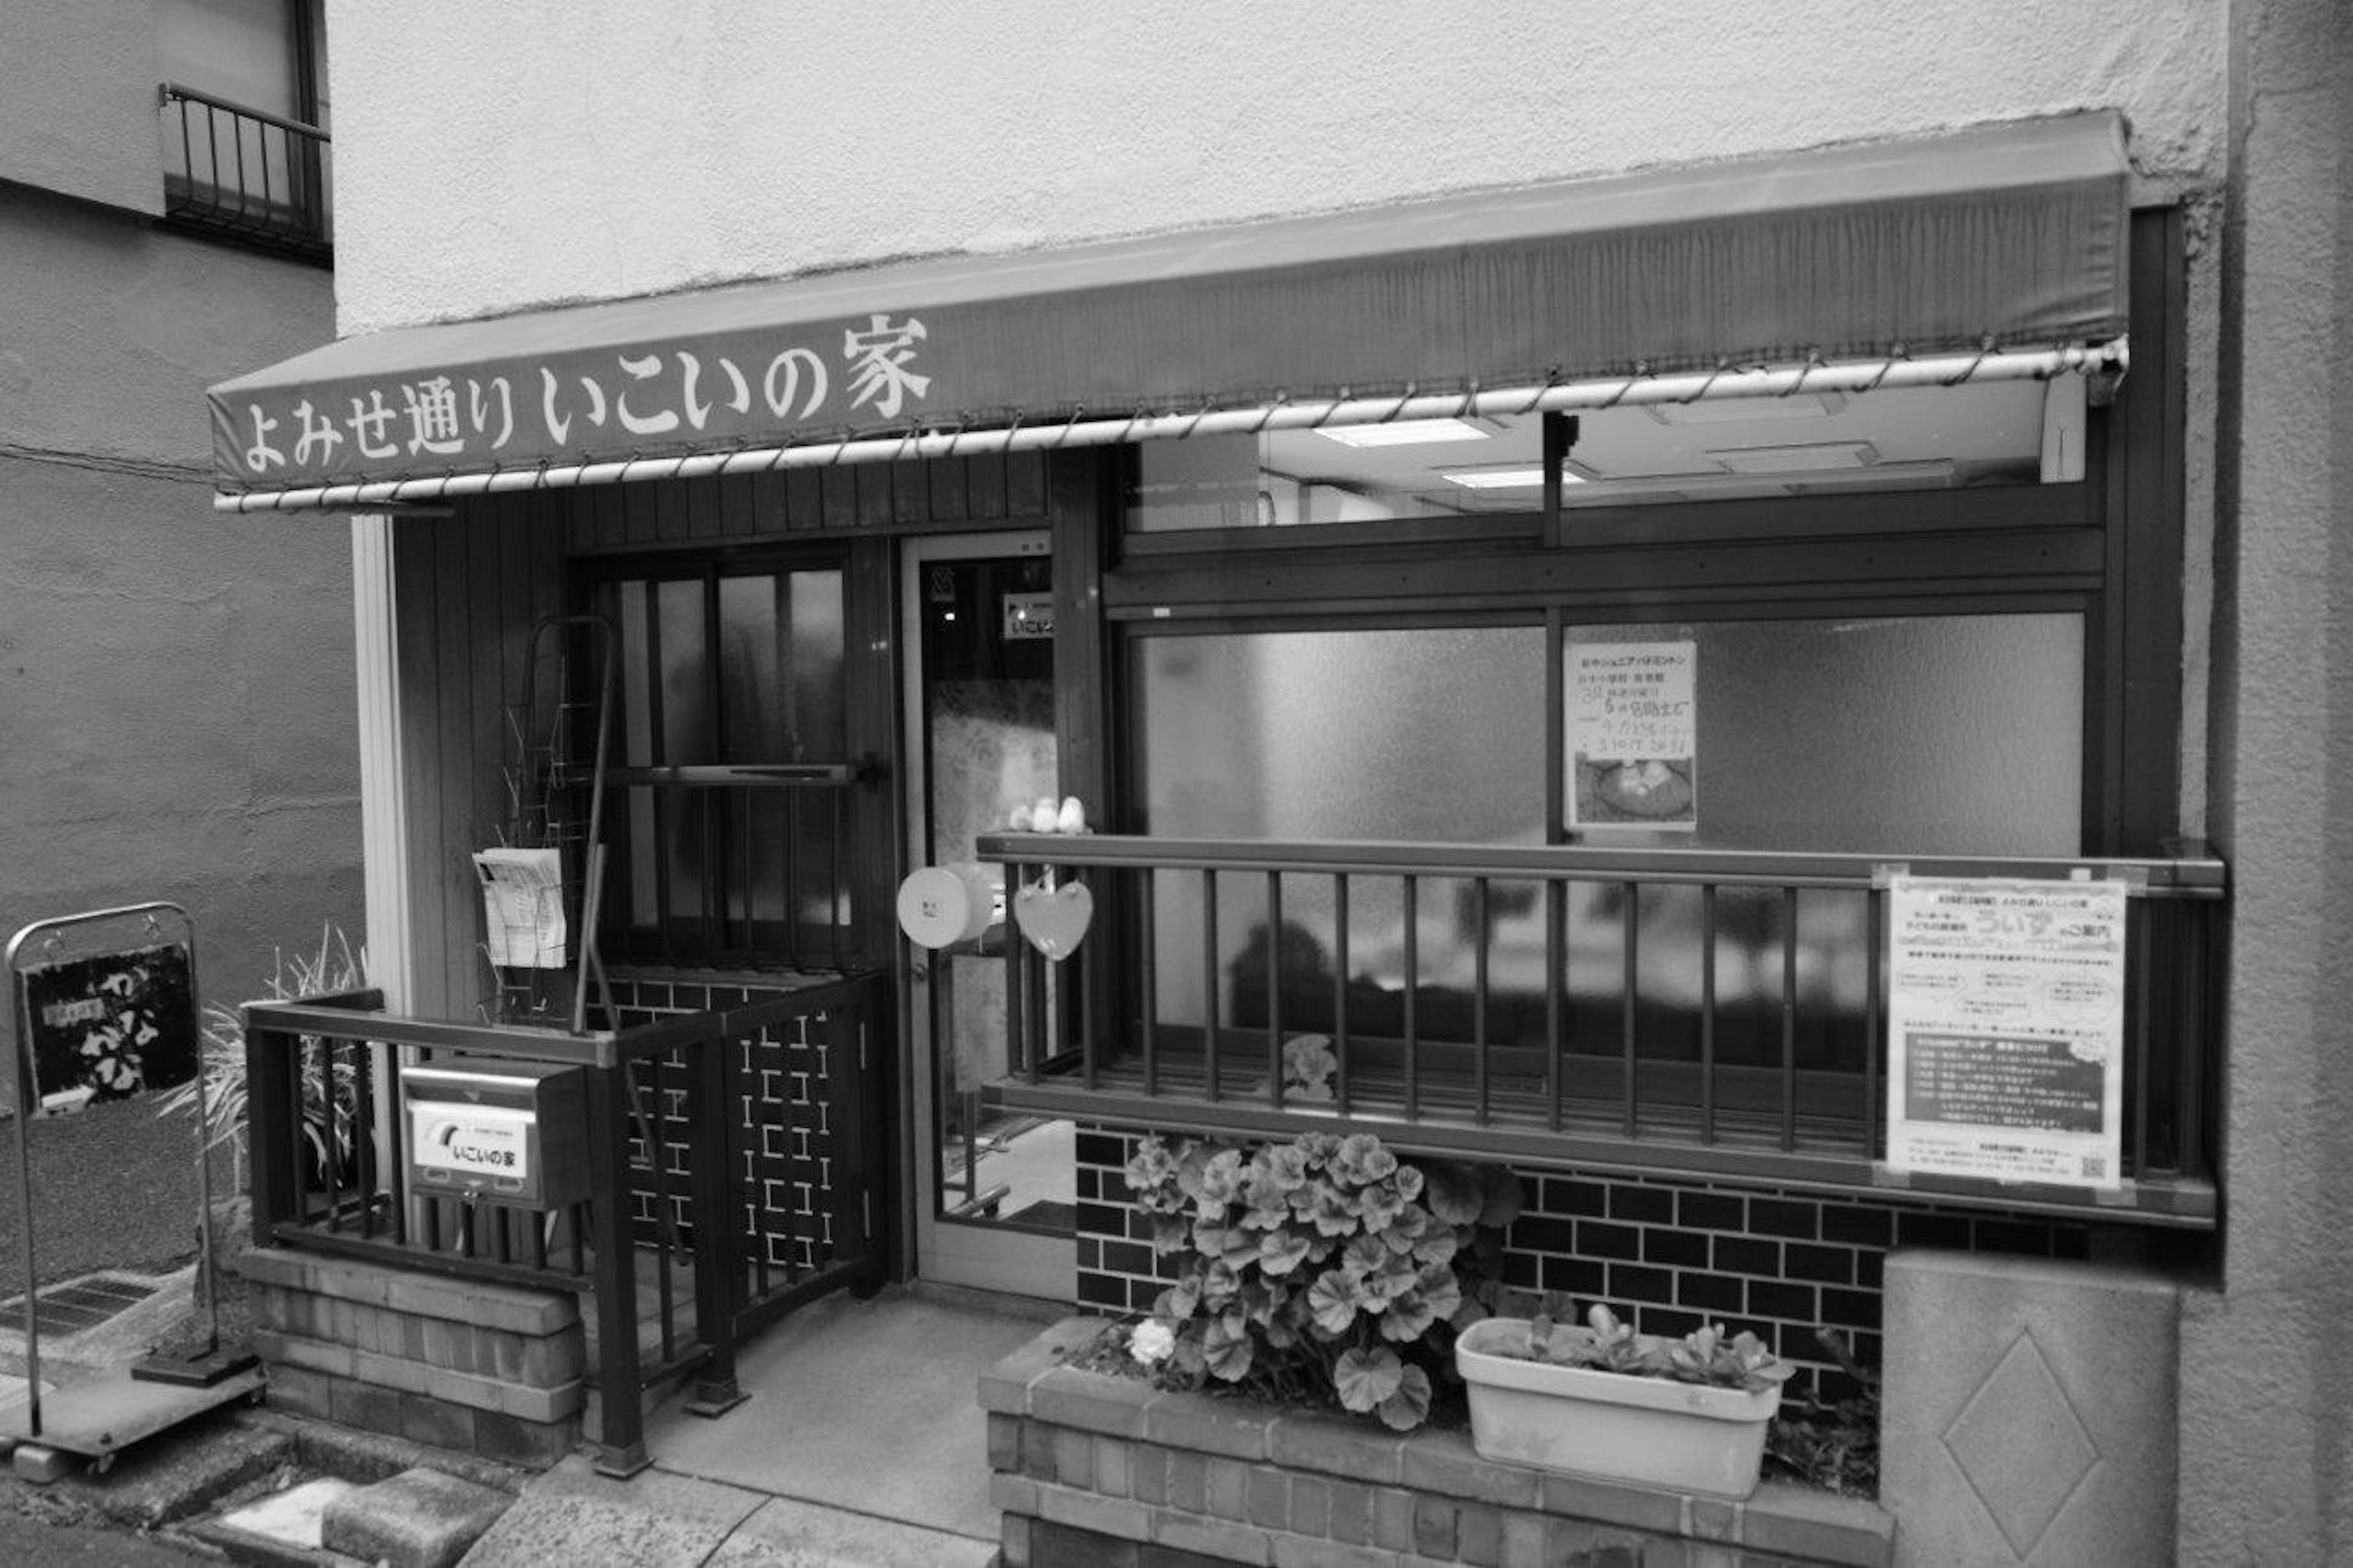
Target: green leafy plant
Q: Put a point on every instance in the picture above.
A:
(1831, 1443)
(1324, 1267)
(1308, 1066)
(1705, 1355)
(330, 1099)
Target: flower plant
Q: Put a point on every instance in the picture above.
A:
(1324, 1266)
(1705, 1355)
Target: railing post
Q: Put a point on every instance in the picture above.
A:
(621, 1445)
(272, 1109)
(716, 1235)
(853, 1041)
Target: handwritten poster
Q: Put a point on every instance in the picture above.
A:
(111, 1026)
(1633, 735)
(2006, 1030)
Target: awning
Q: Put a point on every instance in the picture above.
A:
(1995, 250)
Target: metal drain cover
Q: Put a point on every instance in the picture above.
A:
(78, 1305)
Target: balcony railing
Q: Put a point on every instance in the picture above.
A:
(235, 171)
(1717, 1014)
(689, 1147)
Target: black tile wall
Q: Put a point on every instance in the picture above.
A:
(1670, 1254)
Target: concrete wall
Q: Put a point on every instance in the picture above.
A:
(2267, 1416)
(77, 110)
(175, 689)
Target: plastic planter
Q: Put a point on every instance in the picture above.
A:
(1651, 1431)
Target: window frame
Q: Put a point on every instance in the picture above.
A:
(678, 940)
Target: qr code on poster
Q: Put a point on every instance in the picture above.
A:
(2096, 1167)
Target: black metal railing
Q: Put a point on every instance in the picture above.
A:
(239, 172)
(733, 864)
(678, 1172)
(1710, 1014)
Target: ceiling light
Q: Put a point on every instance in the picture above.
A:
(1410, 432)
(1748, 410)
(1932, 473)
(1527, 476)
(1810, 457)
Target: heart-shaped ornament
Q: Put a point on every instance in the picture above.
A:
(1054, 921)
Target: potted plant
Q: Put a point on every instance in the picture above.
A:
(1324, 1267)
(1601, 1400)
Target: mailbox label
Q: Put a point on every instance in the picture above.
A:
(484, 1142)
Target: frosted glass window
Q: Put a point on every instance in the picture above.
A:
(1919, 735)
(1433, 734)
(780, 667)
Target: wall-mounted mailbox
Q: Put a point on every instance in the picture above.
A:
(505, 1132)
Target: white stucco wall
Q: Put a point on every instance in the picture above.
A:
(493, 157)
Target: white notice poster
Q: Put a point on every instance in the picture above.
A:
(522, 907)
(1633, 735)
(2005, 1023)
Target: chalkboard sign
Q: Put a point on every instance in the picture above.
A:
(117, 1024)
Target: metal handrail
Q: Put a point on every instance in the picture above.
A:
(2197, 877)
(169, 92)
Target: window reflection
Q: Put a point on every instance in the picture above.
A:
(1893, 439)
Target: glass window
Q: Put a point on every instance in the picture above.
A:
(1893, 439)
(717, 672)
(1416, 734)
(1918, 735)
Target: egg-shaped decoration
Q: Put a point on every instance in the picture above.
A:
(1073, 818)
(1041, 815)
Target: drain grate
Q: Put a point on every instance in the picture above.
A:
(78, 1305)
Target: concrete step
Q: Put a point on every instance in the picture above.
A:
(418, 1518)
(281, 1530)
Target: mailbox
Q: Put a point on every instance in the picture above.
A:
(505, 1133)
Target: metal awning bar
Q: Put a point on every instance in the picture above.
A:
(1855, 376)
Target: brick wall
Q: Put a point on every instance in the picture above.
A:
(493, 1370)
(1671, 1253)
(1094, 1471)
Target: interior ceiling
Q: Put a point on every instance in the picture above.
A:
(1908, 437)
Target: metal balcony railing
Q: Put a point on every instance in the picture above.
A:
(241, 172)
(1708, 1014)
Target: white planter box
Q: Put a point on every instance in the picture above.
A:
(1649, 1430)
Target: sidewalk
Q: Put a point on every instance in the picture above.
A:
(863, 1443)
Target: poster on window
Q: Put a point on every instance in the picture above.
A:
(2005, 1020)
(1633, 735)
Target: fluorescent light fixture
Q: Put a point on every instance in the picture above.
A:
(1410, 432)
(1932, 473)
(1748, 410)
(1520, 476)
(1811, 457)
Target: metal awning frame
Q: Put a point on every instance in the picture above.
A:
(1081, 428)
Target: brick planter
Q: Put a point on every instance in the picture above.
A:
(1100, 1470)
(493, 1369)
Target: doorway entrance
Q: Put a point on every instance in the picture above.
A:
(995, 1201)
